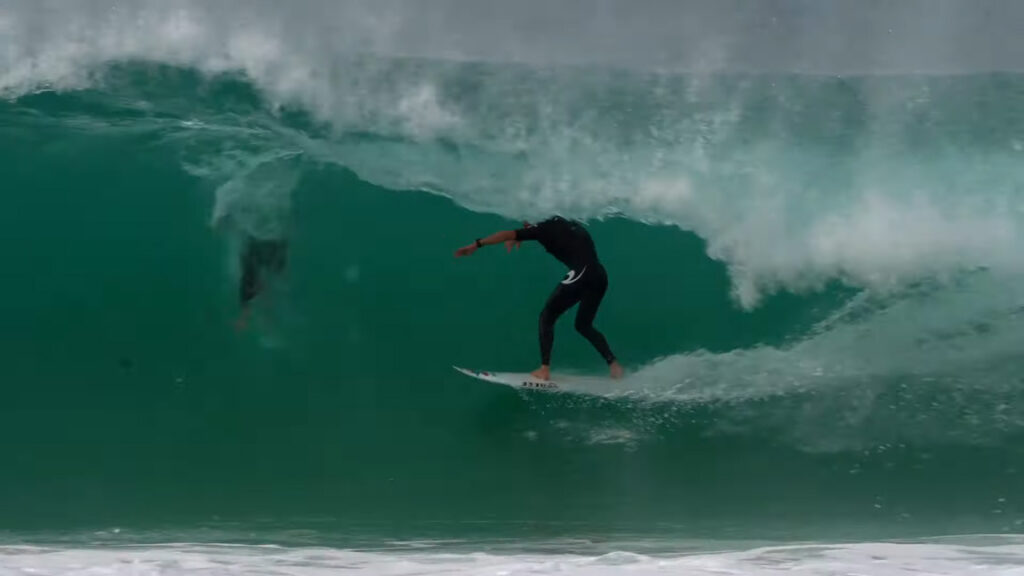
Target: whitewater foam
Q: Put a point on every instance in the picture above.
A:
(1000, 556)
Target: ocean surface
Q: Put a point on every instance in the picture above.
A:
(816, 286)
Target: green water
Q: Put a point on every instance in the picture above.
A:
(825, 406)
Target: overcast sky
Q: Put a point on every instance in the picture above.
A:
(737, 35)
(802, 35)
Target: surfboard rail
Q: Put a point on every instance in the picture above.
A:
(514, 379)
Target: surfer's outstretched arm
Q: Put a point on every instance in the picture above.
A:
(507, 236)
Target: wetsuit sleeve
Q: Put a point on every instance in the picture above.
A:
(532, 232)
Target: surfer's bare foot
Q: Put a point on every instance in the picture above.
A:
(542, 373)
(616, 370)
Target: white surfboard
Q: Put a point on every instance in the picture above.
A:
(557, 383)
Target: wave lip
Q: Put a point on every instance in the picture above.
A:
(794, 181)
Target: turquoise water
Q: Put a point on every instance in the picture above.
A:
(814, 284)
(888, 398)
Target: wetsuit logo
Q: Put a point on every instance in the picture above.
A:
(572, 276)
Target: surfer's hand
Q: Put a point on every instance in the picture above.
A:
(465, 250)
(511, 245)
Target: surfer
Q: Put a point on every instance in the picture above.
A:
(259, 260)
(570, 243)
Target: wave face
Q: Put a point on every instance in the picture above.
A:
(814, 278)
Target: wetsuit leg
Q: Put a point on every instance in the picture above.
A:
(249, 286)
(278, 255)
(260, 258)
(590, 300)
(563, 298)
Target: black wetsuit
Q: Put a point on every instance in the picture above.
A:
(261, 257)
(586, 282)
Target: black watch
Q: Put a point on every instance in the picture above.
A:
(478, 244)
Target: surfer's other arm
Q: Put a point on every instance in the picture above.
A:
(506, 236)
